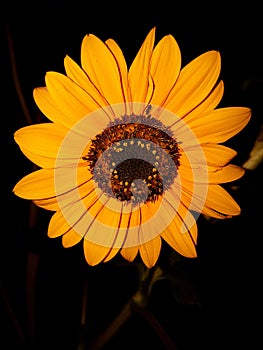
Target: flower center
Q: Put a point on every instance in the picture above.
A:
(134, 159)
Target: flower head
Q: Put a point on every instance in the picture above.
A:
(132, 156)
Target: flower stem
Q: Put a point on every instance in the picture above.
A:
(113, 328)
(136, 304)
(152, 320)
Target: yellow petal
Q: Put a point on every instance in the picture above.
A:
(49, 108)
(218, 125)
(58, 226)
(201, 172)
(111, 254)
(214, 214)
(94, 253)
(207, 155)
(122, 65)
(40, 143)
(45, 185)
(210, 102)
(219, 155)
(82, 214)
(111, 228)
(74, 72)
(129, 253)
(70, 98)
(182, 243)
(103, 70)
(190, 195)
(165, 67)
(195, 83)
(36, 185)
(70, 238)
(48, 204)
(182, 213)
(114, 215)
(152, 218)
(225, 174)
(219, 200)
(188, 168)
(139, 71)
(181, 233)
(40, 161)
(207, 105)
(65, 221)
(150, 251)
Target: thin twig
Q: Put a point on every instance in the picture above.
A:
(11, 314)
(113, 328)
(137, 303)
(160, 331)
(84, 303)
(15, 76)
(32, 259)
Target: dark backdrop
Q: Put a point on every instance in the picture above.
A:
(227, 271)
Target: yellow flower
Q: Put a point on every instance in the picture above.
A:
(131, 157)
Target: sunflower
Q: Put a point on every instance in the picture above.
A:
(130, 157)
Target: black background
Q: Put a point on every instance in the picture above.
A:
(227, 273)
